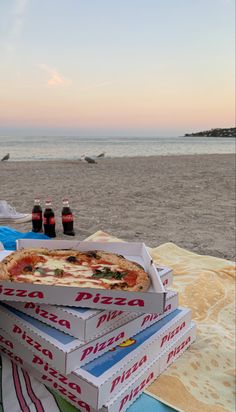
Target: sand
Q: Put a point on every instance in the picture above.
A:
(187, 200)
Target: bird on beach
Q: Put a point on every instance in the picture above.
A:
(101, 154)
(88, 159)
(6, 157)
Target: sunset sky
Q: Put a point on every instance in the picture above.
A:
(108, 67)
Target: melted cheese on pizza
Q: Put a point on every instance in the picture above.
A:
(60, 271)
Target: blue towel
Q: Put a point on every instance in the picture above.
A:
(8, 236)
(149, 404)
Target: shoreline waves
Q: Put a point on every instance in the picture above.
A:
(184, 199)
(72, 147)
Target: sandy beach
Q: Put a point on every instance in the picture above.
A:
(187, 200)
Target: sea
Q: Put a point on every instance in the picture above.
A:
(28, 148)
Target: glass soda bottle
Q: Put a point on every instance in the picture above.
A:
(37, 216)
(49, 220)
(67, 219)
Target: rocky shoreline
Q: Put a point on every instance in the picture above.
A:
(229, 132)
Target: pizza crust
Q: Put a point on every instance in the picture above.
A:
(8, 262)
(142, 282)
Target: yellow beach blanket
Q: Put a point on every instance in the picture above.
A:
(202, 380)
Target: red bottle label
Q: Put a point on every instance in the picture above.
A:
(36, 216)
(67, 218)
(50, 221)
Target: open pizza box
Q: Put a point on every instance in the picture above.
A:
(65, 352)
(152, 301)
(103, 378)
(133, 373)
(166, 275)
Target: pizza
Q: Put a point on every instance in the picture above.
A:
(92, 269)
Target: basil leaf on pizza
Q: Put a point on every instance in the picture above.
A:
(107, 273)
(92, 269)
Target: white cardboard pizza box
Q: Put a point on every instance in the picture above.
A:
(82, 323)
(166, 275)
(4, 253)
(172, 352)
(126, 396)
(151, 301)
(106, 376)
(65, 352)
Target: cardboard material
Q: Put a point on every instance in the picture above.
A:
(176, 347)
(133, 387)
(166, 275)
(126, 397)
(65, 352)
(82, 323)
(151, 301)
(4, 253)
(104, 377)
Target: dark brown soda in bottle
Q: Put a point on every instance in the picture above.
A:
(67, 219)
(49, 220)
(37, 216)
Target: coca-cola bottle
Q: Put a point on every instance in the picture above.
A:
(49, 220)
(67, 219)
(37, 216)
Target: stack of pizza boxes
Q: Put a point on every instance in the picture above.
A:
(99, 349)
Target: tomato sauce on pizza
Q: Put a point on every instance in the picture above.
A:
(95, 269)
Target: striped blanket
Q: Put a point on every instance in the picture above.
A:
(20, 392)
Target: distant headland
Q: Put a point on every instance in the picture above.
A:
(229, 132)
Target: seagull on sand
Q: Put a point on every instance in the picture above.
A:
(101, 154)
(6, 157)
(88, 159)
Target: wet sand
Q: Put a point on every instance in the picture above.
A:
(187, 200)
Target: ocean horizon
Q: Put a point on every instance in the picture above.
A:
(33, 148)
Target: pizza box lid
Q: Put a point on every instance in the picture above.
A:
(166, 275)
(147, 302)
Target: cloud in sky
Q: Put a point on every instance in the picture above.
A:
(56, 79)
